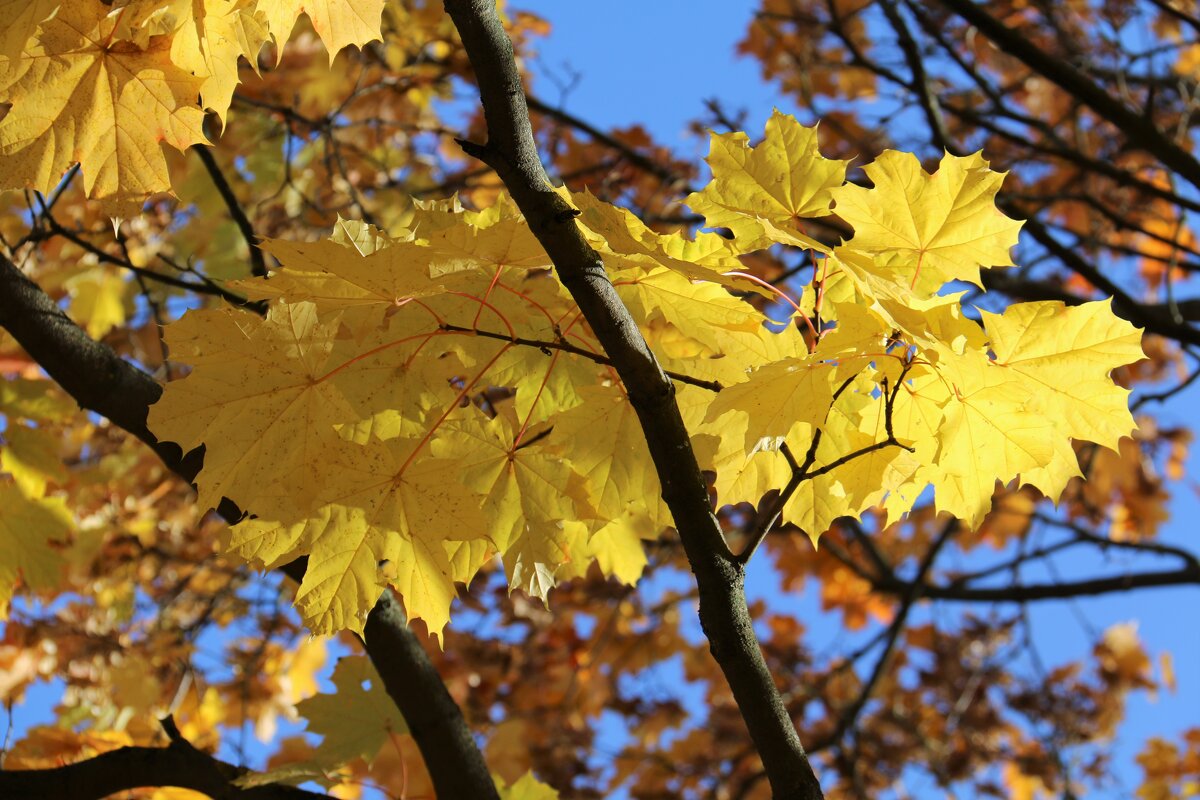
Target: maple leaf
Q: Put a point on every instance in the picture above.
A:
(260, 407)
(849, 472)
(526, 787)
(762, 193)
(1068, 353)
(1066, 356)
(208, 38)
(27, 527)
(603, 440)
(384, 517)
(339, 23)
(354, 722)
(30, 453)
(22, 20)
(31, 456)
(628, 244)
(928, 229)
(917, 412)
(79, 96)
(992, 429)
(777, 396)
(617, 546)
(98, 300)
(527, 492)
(211, 37)
(357, 718)
(35, 400)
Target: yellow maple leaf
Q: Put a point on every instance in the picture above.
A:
(847, 475)
(526, 787)
(626, 243)
(35, 400)
(742, 475)
(263, 407)
(495, 237)
(778, 396)
(925, 230)
(916, 417)
(79, 96)
(762, 193)
(98, 299)
(993, 428)
(21, 21)
(1065, 356)
(927, 322)
(355, 721)
(604, 442)
(334, 275)
(1068, 354)
(528, 494)
(617, 546)
(385, 516)
(210, 39)
(31, 456)
(339, 23)
(27, 527)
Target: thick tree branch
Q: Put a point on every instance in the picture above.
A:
(512, 152)
(179, 764)
(92, 373)
(102, 382)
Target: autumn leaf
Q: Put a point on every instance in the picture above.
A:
(778, 396)
(1068, 354)
(527, 494)
(354, 722)
(212, 38)
(78, 96)
(780, 182)
(262, 408)
(339, 23)
(27, 528)
(992, 429)
(31, 456)
(384, 517)
(526, 787)
(926, 230)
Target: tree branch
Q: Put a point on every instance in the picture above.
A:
(258, 266)
(179, 764)
(1023, 593)
(567, 347)
(720, 578)
(1140, 129)
(101, 381)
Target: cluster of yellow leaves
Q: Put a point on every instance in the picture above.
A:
(104, 84)
(29, 453)
(414, 403)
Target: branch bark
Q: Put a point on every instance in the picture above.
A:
(720, 577)
(179, 764)
(101, 381)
